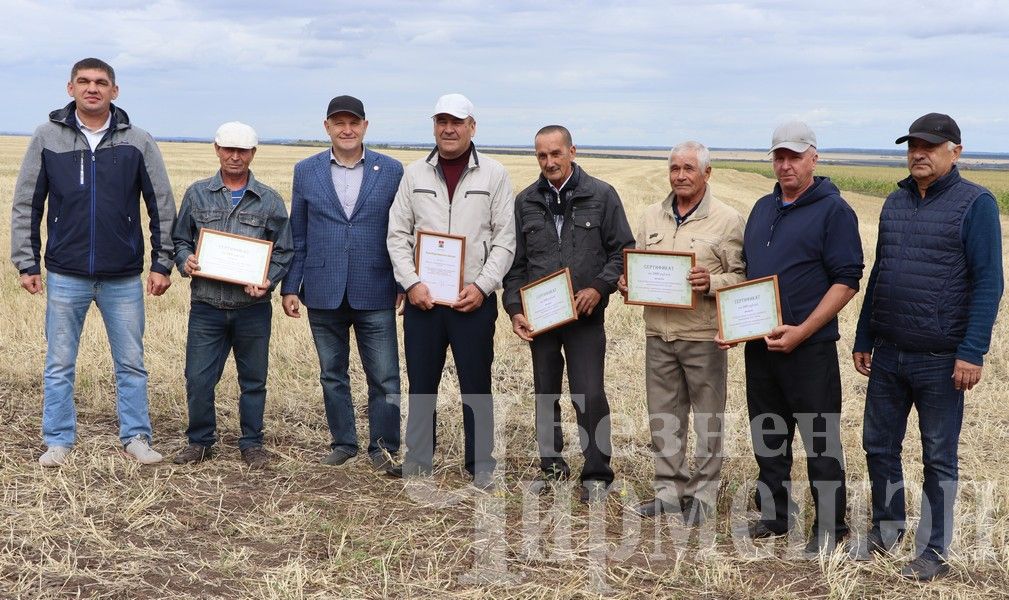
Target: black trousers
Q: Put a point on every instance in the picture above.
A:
(584, 348)
(784, 391)
(427, 336)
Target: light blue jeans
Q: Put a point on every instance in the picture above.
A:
(121, 303)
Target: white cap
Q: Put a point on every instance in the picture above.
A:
(236, 135)
(456, 105)
(793, 135)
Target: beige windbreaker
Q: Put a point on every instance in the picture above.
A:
(482, 209)
(714, 233)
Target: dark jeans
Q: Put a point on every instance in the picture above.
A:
(784, 391)
(584, 346)
(898, 381)
(375, 331)
(213, 334)
(427, 336)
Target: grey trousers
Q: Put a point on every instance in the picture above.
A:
(683, 376)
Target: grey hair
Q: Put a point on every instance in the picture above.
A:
(699, 149)
(950, 145)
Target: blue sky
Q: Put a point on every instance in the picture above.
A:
(633, 73)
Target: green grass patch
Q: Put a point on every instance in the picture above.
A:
(879, 181)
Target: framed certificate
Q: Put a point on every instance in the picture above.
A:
(748, 310)
(659, 278)
(549, 302)
(440, 258)
(233, 258)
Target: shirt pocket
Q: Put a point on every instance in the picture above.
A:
(705, 249)
(253, 224)
(211, 219)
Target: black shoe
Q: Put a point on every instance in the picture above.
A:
(484, 481)
(924, 568)
(336, 458)
(695, 512)
(759, 530)
(826, 542)
(875, 544)
(193, 453)
(407, 469)
(653, 507)
(381, 461)
(593, 491)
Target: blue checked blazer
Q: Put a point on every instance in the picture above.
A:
(336, 254)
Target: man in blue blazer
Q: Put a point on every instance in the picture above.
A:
(341, 271)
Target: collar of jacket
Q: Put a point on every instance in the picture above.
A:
(572, 188)
(216, 184)
(474, 159)
(700, 212)
(68, 116)
(938, 186)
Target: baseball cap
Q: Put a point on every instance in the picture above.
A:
(348, 104)
(456, 105)
(793, 135)
(934, 128)
(236, 135)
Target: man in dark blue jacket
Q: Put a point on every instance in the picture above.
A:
(85, 170)
(925, 326)
(341, 270)
(807, 235)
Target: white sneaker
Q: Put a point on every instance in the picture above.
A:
(54, 456)
(140, 449)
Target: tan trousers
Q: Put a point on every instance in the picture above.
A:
(681, 377)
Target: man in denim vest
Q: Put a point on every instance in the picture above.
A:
(924, 329)
(224, 316)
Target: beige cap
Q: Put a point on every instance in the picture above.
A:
(793, 135)
(236, 135)
(456, 105)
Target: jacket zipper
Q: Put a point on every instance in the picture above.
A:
(91, 257)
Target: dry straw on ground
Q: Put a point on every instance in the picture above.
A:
(103, 527)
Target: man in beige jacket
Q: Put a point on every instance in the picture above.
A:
(685, 370)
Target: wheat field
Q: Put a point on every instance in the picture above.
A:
(105, 527)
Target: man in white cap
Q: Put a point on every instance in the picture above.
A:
(453, 191)
(224, 316)
(807, 235)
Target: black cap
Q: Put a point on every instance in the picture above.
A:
(934, 128)
(345, 104)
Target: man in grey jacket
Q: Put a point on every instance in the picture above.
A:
(459, 192)
(85, 171)
(226, 316)
(567, 218)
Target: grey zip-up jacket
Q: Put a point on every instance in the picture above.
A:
(481, 210)
(261, 214)
(91, 200)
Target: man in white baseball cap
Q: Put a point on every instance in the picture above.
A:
(224, 316)
(456, 191)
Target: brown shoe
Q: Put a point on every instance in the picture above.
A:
(193, 453)
(256, 457)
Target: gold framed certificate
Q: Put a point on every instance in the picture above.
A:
(748, 310)
(233, 258)
(659, 278)
(549, 302)
(440, 258)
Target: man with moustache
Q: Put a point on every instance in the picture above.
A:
(925, 326)
(341, 271)
(684, 370)
(567, 218)
(229, 317)
(455, 190)
(807, 235)
(93, 166)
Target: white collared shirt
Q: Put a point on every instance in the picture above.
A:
(559, 219)
(347, 181)
(94, 135)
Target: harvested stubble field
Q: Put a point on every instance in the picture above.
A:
(103, 527)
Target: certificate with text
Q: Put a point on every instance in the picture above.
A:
(233, 258)
(549, 302)
(440, 258)
(748, 310)
(659, 278)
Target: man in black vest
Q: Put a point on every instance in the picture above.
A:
(924, 329)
